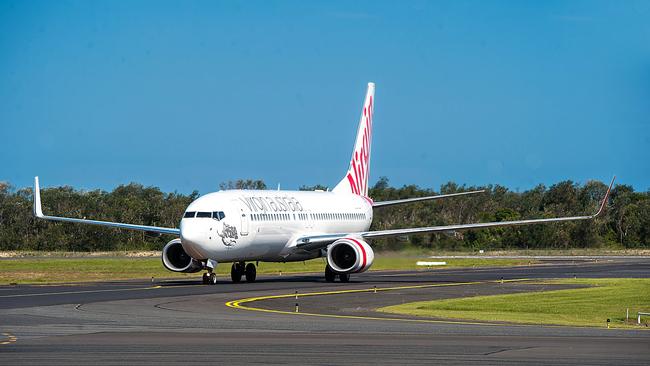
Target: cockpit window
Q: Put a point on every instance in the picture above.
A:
(189, 214)
(218, 215)
(204, 214)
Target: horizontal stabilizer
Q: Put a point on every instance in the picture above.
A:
(427, 198)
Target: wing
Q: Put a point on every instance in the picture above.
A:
(321, 241)
(416, 199)
(38, 212)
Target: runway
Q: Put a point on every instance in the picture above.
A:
(170, 322)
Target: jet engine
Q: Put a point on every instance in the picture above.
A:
(175, 258)
(350, 255)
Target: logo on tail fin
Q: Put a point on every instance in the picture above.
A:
(356, 179)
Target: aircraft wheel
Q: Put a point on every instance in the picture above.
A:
(206, 279)
(251, 272)
(236, 272)
(330, 276)
(212, 278)
(344, 277)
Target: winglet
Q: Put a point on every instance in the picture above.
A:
(604, 203)
(38, 211)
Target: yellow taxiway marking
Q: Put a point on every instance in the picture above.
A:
(82, 292)
(10, 338)
(237, 304)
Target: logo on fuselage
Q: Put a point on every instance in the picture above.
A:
(228, 235)
(275, 204)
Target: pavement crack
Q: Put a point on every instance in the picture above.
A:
(507, 350)
(162, 307)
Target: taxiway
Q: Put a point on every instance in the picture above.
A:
(170, 322)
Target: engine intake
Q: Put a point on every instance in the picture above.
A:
(350, 255)
(175, 258)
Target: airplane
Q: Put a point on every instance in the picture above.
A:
(246, 226)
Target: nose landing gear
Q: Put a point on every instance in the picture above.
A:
(210, 278)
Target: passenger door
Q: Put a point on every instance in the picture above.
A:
(245, 220)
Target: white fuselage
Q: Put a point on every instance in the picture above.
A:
(240, 225)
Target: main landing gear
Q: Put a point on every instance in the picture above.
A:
(240, 269)
(330, 275)
(237, 271)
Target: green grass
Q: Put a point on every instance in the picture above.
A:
(591, 306)
(53, 270)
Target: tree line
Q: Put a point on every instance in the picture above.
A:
(625, 224)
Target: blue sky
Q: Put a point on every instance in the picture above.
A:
(184, 95)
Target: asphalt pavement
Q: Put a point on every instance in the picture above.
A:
(171, 322)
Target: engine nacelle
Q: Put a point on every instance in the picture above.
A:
(350, 255)
(175, 258)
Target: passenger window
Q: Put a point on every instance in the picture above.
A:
(190, 214)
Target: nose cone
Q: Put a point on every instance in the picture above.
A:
(193, 238)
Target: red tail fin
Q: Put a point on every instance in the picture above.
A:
(356, 179)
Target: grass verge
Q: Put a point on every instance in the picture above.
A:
(407, 251)
(55, 270)
(592, 306)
